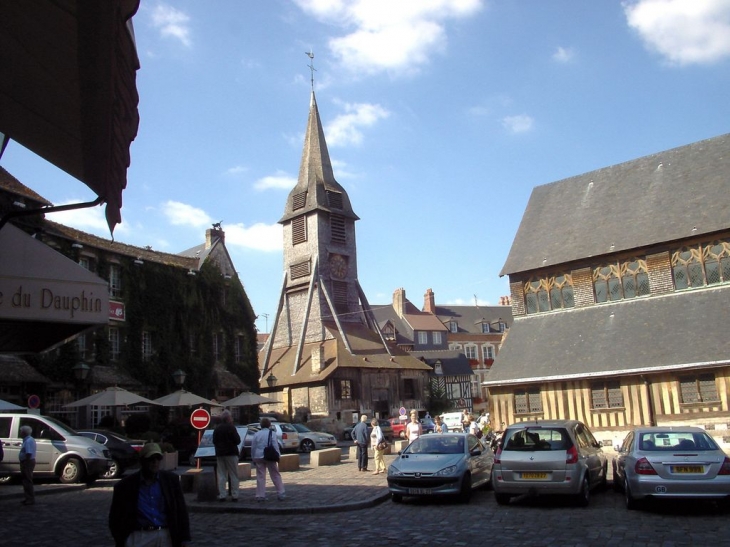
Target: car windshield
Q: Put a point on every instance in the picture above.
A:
(675, 440)
(529, 439)
(287, 428)
(436, 444)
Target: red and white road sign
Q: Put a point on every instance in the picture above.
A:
(200, 418)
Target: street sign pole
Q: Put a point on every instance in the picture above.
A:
(200, 419)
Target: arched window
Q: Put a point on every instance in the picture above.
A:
(548, 294)
(687, 268)
(617, 281)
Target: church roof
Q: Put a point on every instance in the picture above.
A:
(316, 188)
(668, 196)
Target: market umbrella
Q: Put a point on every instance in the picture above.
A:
(5, 405)
(183, 398)
(112, 396)
(248, 398)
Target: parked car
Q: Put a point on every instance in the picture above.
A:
(398, 427)
(548, 457)
(671, 462)
(313, 440)
(428, 425)
(60, 451)
(285, 433)
(206, 449)
(437, 465)
(385, 427)
(124, 451)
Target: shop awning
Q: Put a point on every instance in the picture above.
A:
(68, 89)
(45, 298)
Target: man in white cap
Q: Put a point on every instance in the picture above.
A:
(148, 507)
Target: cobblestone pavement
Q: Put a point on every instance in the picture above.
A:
(317, 503)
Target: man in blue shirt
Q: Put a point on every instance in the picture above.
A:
(360, 436)
(148, 507)
(27, 463)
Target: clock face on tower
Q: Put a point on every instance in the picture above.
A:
(338, 266)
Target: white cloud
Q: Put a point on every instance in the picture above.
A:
(236, 170)
(518, 124)
(172, 23)
(89, 219)
(383, 35)
(683, 31)
(280, 180)
(259, 237)
(345, 128)
(563, 55)
(479, 111)
(182, 214)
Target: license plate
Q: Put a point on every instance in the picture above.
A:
(688, 469)
(534, 475)
(419, 491)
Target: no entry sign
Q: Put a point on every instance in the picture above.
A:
(200, 418)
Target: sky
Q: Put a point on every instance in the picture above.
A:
(440, 116)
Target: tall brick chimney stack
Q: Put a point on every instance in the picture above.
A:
(429, 302)
(213, 234)
(399, 301)
(505, 301)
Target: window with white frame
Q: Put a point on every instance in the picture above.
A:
(237, 349)
(488, 352)
(453, 326)
(114, 345)
(485, 328)
(115, 280)
(217, 345)
(470, 352)
(422, 338)
(146, 345)
(436, 337)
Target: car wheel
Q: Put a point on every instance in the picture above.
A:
(465, 492)
(113, 472)
(72, 471)
(397, 498)
(307, 445)
(502, 499)
(631, 502)
(584, 496)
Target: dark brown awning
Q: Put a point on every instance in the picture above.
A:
(68, 88)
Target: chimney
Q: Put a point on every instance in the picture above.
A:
(429, 302)
(399, 302)
(213, 234)
(505, 301)
(317, 359)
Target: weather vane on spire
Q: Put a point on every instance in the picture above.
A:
(310, 54)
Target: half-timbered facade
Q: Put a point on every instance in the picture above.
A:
(620, 285)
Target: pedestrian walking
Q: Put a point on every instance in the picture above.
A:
(148, 507)
(360, 437)
(226, 440)
(266, 437)
(27, 463)
(413, 429)
(377, 442)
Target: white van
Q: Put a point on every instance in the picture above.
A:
(453, 421)
(60, 451)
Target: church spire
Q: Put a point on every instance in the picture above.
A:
(316, 186)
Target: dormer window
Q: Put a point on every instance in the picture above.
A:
(486, 329)
(453, 326)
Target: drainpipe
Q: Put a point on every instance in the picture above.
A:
(649, 400)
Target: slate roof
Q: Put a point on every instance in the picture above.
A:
(470, 318)
(453, 362)
(106, 375)
(17, 370)
(225, 379)
(676, 332)
(668, 196)
(367, 348)
(12, 185)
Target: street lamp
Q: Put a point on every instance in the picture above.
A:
(271, 380)
(179, 377)
(81, 371)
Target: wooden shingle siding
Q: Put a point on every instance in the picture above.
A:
(583, 287)
(660, 273)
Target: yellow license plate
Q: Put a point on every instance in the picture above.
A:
(688, 469)
(534, 475)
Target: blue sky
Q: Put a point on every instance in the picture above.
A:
(440, 116)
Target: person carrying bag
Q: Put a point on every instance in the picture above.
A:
(265, 455)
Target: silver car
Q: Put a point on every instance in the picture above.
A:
(285, 433)
(671, 462)
(313, 440)
(437, 465)
(548, 457)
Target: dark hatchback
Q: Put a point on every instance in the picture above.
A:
(124, 451)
